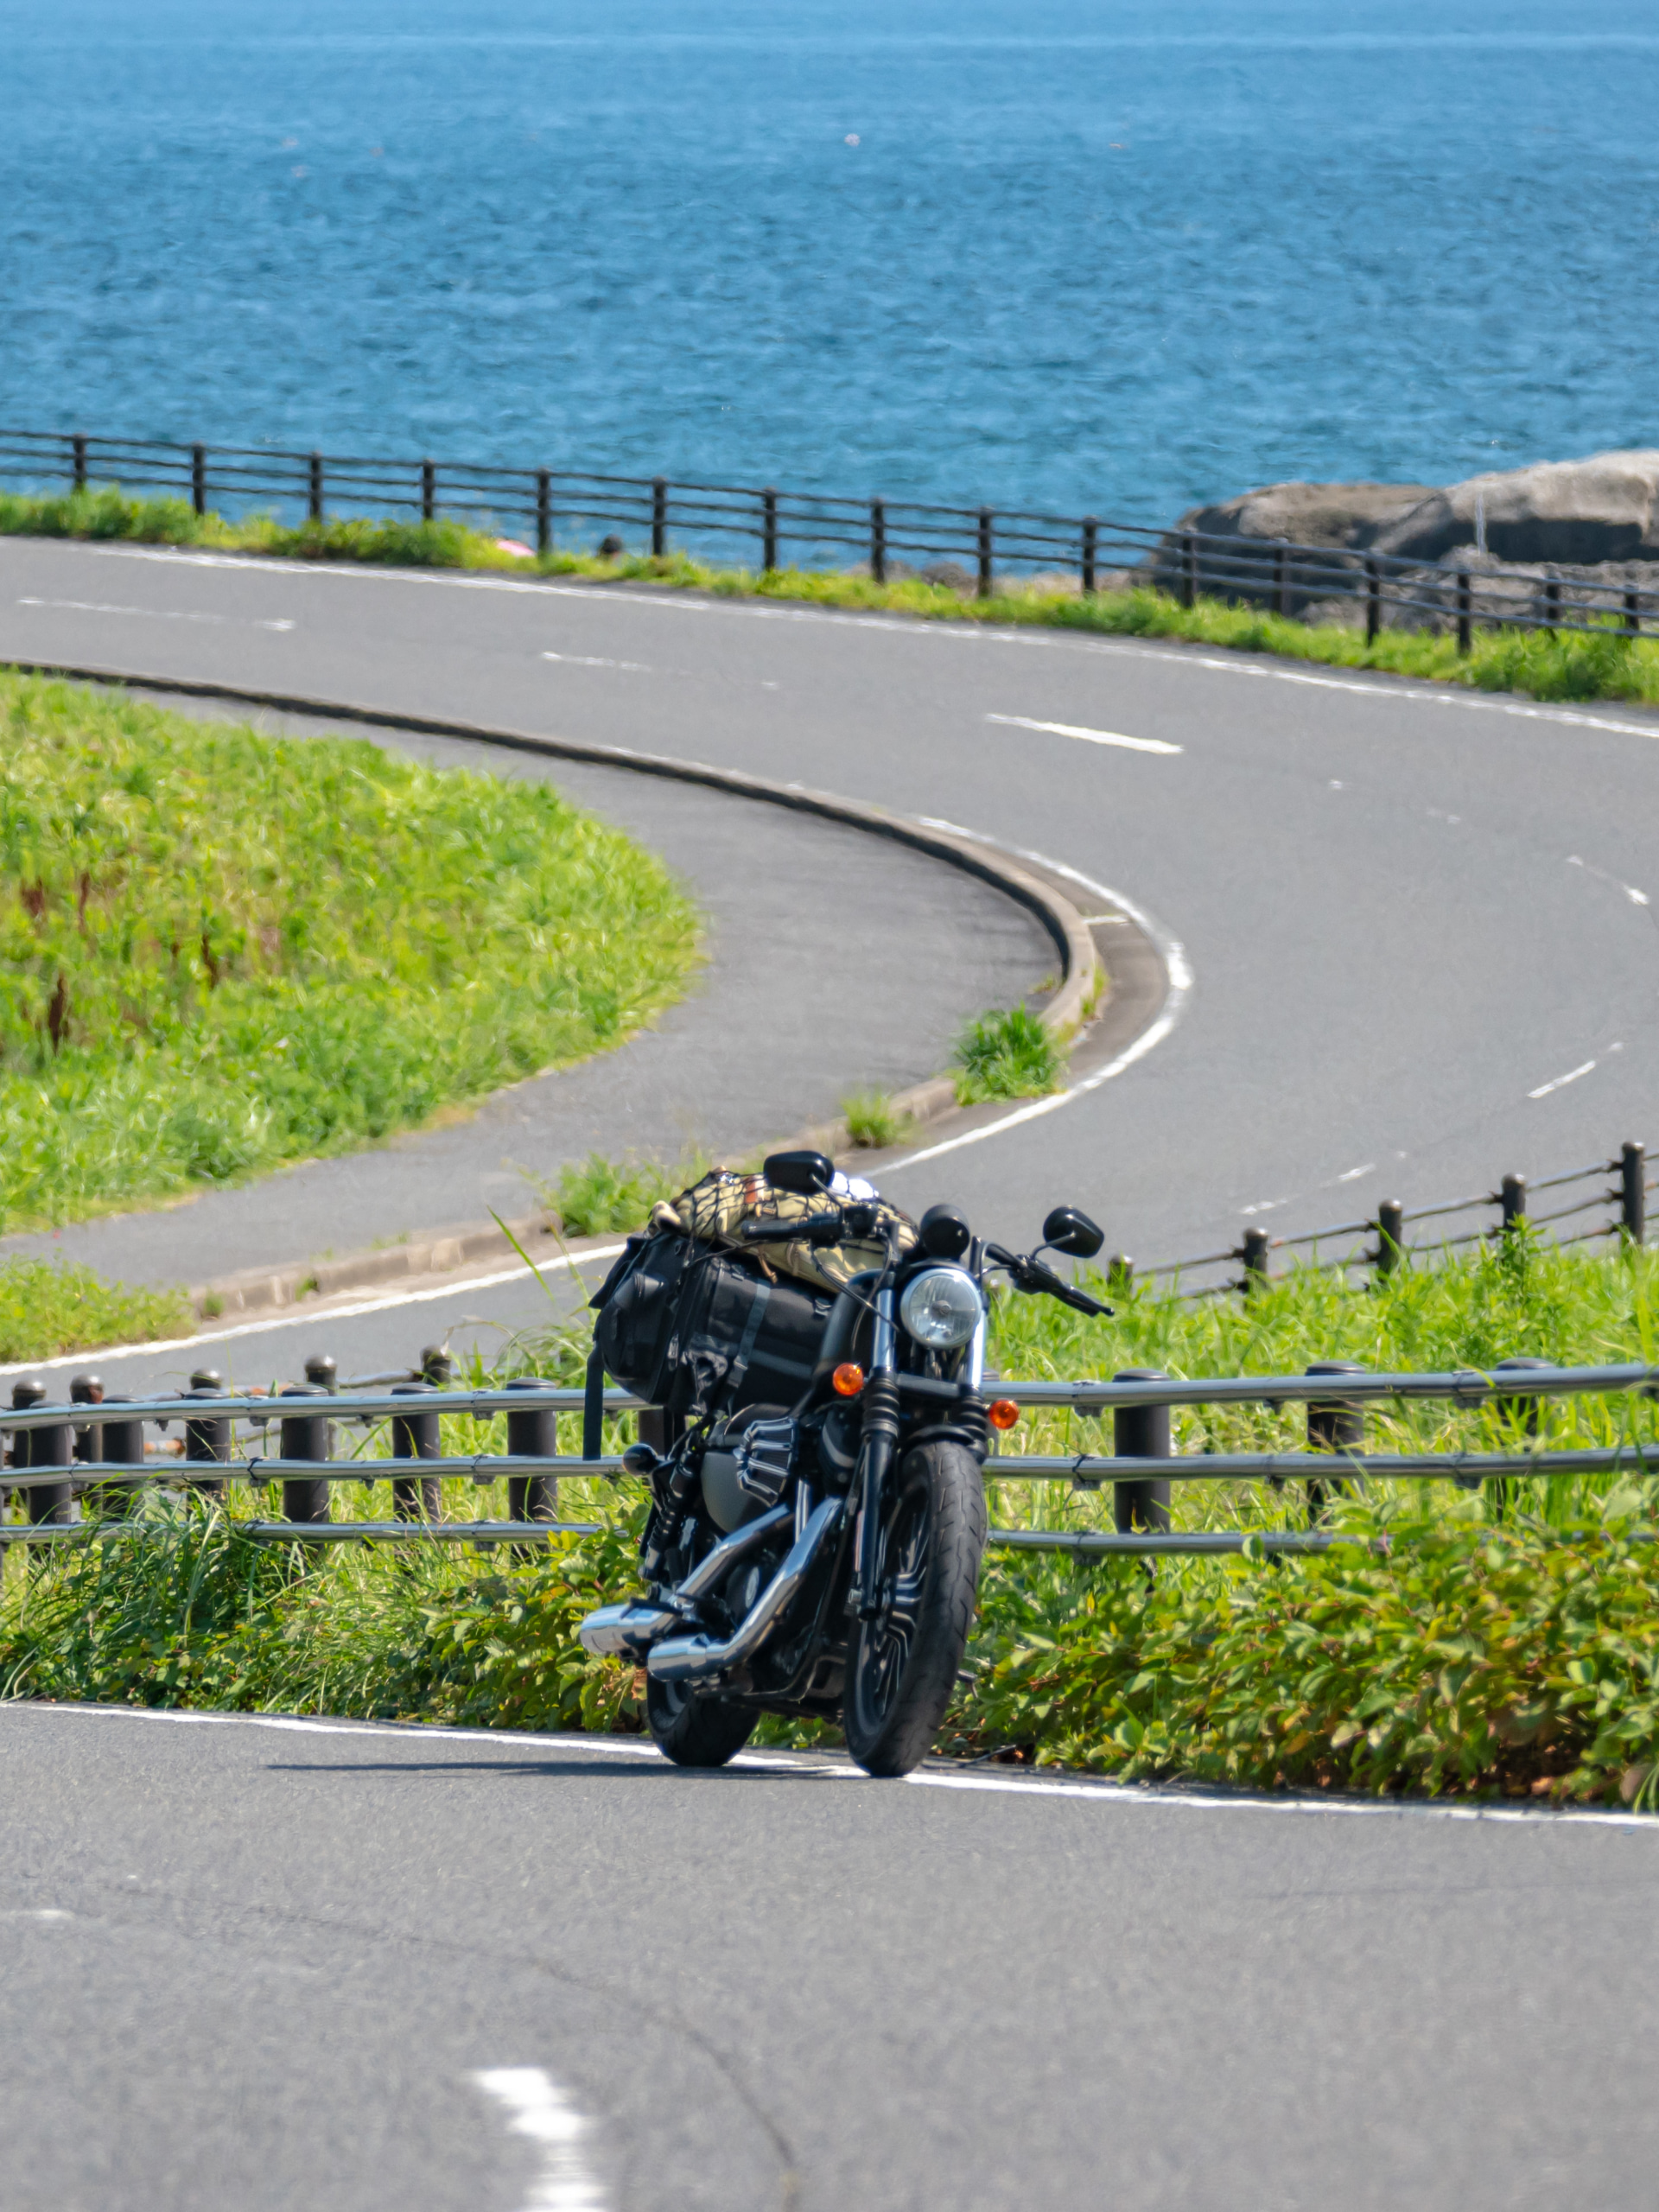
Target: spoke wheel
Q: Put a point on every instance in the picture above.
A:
(695, 1731)
(904, 1662)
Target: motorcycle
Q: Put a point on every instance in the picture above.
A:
(818, 1558)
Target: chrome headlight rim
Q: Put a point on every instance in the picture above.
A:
(970, 1311)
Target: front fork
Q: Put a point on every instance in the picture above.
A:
(878, 1436)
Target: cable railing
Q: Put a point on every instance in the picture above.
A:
(1462, 592)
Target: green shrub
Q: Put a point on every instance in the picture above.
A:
(602, 1196)
(1007, 1055)
(873, 1122)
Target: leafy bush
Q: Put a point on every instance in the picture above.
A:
(1007, 1056)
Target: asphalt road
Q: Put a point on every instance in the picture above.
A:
(788, 1987)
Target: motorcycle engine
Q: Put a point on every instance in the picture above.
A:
(746, 1468)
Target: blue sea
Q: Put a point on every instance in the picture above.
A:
(1096, 256)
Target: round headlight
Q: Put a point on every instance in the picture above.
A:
(941, 1307)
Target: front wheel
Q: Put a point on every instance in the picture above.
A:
(695, 1731)
(904, 1663)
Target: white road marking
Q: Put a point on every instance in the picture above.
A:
(1115, 1794)
(541, 2111)
(1089, 736)
(591, 660)
(309, 1313)
(1353, 1175)
(155, 614)
(1178, 989)
(1561, 1081)
(1636, 898)
(1036, 640)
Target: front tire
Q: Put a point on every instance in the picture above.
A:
(903, 1665)
(695, 1731)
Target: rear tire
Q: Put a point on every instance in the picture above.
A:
(695, 1731)
(902, 1669)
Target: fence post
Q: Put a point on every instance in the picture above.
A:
(52, 1503)
(1189, 569)
(1466, 636)
(1120, 1275)
(1254, 1253)
(543, 511)
(1551, 602)
(533, 1432)
(768, 530)
(1373, 599)
(306, 1436)
(1632, 614)
(436, 1366)
(415, 1436)
(1333, 1425)
(198, 479)
(1512, 1197)
(314, 488)
(1528, 1415)
(78, 446)
(987, 557)
(429, 490)
(1390, 1236)
(1090, 547)
(323, 1371)
(658, 517)
(208, 1440)
(878, 541)
(87, 1390)
(1280, 572)
(1140, 1433)
(121, 1444)
(1633, 1193)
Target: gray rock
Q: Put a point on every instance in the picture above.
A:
(1582, 512)
(1333, 515)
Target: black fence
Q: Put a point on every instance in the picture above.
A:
(885, 537)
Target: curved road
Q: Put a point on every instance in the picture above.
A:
(267, 1964)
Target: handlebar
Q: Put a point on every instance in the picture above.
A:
(1029, 1274)
(816, 1229)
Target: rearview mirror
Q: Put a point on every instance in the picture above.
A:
(808, 1174)
(1073, 1233)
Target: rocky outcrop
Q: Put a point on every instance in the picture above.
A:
(1578, 512)
(1309, 514)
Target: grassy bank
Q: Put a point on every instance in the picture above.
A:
(1603, 665)
(47, 1309)
(1494, 1646)
(221, 952)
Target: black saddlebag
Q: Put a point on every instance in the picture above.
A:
(692, 1329)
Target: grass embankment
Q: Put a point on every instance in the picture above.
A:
(1599, 666)
(221, 952)
(1496, 1647)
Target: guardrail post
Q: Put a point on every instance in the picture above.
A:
(416, 1436)
(1120, 1275)
(208, 1440)
(543, 511)
(768, 530)
(1140, 1433)
(306, 1436)
(122, 1444)
(436, 1366)
(1527, 1414)
(78, 448)
(1189, 569)
(429, 490)
(314, 472)
(1465, 633)
(987, 556)
(87, 1390)
(1090, 545)
(878, 541)
(1632, 614)
(324, 1372)
(1373, 599)
(1254, 1253)
(1551, 602)
(1280, 572)
(1512, 1197)
(658, 517)
(1390, 1236)
(1333, 1425)
(1633, 1193)
(198, 479)
(533, 1432)
(52, 1503)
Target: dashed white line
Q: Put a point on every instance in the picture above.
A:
(1089, 736)
(1561, 1081)
(592, 660)
(1353, 1175)
(155, 614)
(541, 2111)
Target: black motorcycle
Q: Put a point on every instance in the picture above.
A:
(818, 1513)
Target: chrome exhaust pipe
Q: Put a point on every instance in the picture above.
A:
(696, 1658)
(628, 1631)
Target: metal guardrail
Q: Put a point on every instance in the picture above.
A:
(1456, 593)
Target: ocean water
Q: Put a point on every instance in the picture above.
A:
(1090, 256)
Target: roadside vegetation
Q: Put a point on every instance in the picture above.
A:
(47, 1308)
(220, 951)
(1488, 1644)
(1007, 1055)
(1598, 665)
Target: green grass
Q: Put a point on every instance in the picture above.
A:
(47, 1308)
(221, 952)
(600, 1197)
(1496, 1646)
(873, 1122)
(1007, 1055)
(1596, 666)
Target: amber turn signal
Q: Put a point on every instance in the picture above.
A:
(847, 1380)
(1003, 1413)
